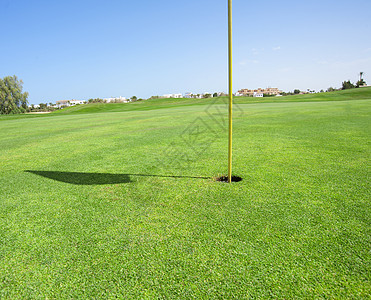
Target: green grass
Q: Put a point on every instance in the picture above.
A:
(97, 205)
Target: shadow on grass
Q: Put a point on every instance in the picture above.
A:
(80, 178)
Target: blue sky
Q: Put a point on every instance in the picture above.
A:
(85, 49)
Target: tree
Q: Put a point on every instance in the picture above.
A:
(12, 100)
(134, 98)
(330, 89)
(215, 95)
(296, 91)
(43, 106)
(347, 85)
(96, 100)
(360, 82)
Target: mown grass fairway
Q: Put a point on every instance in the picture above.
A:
(99, 205)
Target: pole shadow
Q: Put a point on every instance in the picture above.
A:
(82, 178)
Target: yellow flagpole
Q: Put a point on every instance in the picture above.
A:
(230, 90)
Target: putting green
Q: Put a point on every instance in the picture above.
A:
(122, 203)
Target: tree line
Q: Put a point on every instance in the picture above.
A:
(12, 99)
(349, 85)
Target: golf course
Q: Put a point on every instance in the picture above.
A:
(122, 200)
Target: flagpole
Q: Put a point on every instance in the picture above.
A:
(230, 90)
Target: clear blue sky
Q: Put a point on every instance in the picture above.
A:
(85, 49)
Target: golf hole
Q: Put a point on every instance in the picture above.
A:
(225, 179)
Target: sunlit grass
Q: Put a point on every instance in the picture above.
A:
(296, 226)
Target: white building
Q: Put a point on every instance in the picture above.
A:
(75, 102)
(61, 103)
(173, 96)
(116, 99)
(258, 95)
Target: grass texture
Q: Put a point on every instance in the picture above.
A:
(123, 203)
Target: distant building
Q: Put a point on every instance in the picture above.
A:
(258, 95)
(267, 91)
(116, 99)
(75, 102)
(172, 96)
(61, 103)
